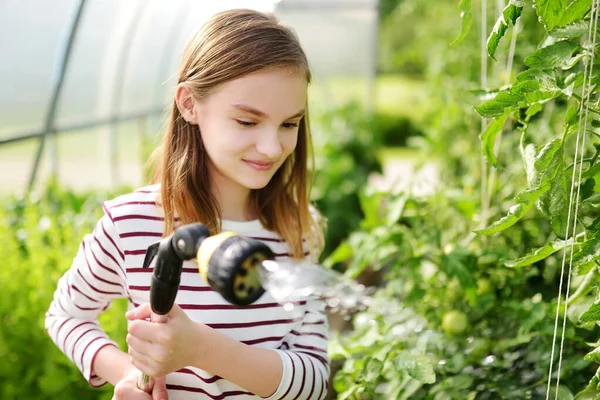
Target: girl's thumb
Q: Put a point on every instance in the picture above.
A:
(160, 389)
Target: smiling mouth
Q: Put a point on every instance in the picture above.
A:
(259, 166)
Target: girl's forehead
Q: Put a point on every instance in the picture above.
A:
(275, 89)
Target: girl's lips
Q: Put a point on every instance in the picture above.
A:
(259, 166)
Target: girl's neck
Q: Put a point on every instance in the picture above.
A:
(234, 201)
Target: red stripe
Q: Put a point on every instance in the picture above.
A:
(149, 270)
(134, 253)
(229, 306)
(138, 216)
(135, 203)
(318, 357)
(303, 380)
(312, 389)
(85, 349)
(200, 390)
(94, 360)
(96, 289)
(140, 234)
(112, 271)
(293, 375)
(233, 325)
(317, 349)
(78, 339)
(108, 236)
(213, 379)
(62, 292)
(101, 265)
(108, 254)
(319, 335)
(263, 340)
(314, 323)
(61, 325)
(84, 295)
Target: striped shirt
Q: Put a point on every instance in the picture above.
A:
(108, 266)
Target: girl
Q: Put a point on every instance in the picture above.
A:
(234, 157)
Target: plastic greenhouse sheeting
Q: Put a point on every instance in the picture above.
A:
(123, 63)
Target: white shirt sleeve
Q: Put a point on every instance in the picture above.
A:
(95, 278)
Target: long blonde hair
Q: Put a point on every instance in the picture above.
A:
(231, 44)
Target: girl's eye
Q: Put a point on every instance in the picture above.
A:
(290, 125)
(245, 123)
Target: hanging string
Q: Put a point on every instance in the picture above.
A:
(592, 34)
(583, 114)
(483, 83)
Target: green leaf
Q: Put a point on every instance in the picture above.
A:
(460, 263)
(591, 392)
(395, 209)
(539, 253)
(546, 78)
(592, 314)
(372, 369)
(572, 31)
(503, 103)
(510, 14)
(533, 110)
(593, 355)
(554, 204)
(467, 20)
(418, 366)
(488, 138)
(558, 13)
(556, 55)
(589, 252)
(575, 11)
(524, 201)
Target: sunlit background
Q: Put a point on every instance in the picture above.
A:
(119, 77)
(445, 136)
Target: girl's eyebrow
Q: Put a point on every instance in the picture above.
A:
(261, 114)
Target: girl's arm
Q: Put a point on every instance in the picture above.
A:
(299, 372)
(95, 278)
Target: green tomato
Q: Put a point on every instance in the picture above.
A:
(484, 286)
(454, 323)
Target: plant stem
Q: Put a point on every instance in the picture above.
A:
(585, 287)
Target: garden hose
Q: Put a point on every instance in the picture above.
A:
(226, 261)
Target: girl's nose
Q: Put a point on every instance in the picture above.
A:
(269, 144)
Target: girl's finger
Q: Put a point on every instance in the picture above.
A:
(140, 312)
(141, 346)
(142, 362)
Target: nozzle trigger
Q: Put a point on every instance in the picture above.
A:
(150, 254)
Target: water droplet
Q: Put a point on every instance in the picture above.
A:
(488, 360)
(333, 302)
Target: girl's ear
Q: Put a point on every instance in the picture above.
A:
(185, 103)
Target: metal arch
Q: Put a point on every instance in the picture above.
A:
(58, 79)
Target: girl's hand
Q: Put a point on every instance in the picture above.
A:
(126, 389)
(158, 349)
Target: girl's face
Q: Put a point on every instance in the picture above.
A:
(249, 126)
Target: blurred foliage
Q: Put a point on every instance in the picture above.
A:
(460, 315)
(345, 155)
(39, 237)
